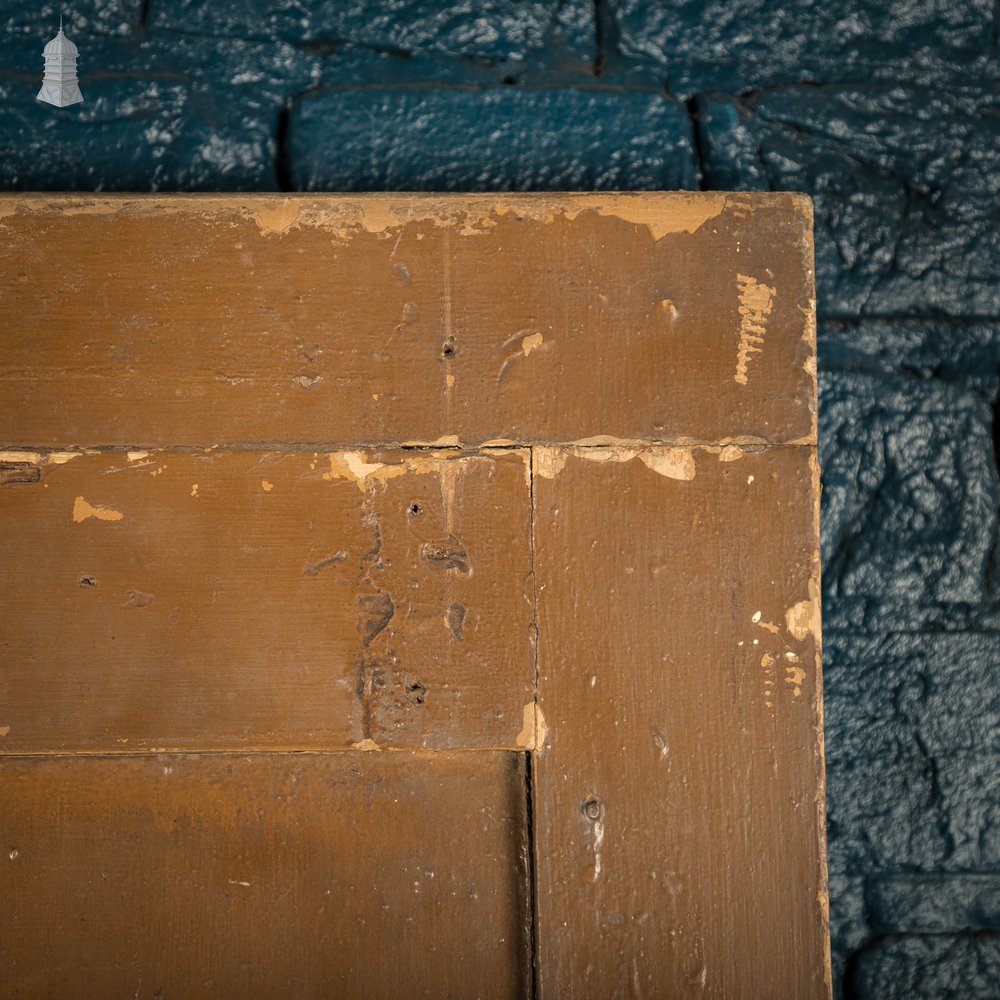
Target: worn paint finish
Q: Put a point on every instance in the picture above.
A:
(158, 614)
(323, 529)
(678, 812)
(376, 320)
(264, 875)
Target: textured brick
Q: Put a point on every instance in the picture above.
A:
(936, 968)
(40, 21)
(910, 489)
(176, 114)
(495, 29)
(736, 44)
(913, 744)
(934, 904)
(509, 138)
(849, 928)
(906, 183)
(964, 353)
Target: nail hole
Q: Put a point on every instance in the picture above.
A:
(415, 510)
(593, 809)
(87, 581)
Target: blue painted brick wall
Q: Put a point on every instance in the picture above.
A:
(886, 111)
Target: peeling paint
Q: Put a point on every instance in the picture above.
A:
(83, 510)
(662, 214)
(674, 463)
(803, 619)
(533, 728)
(531, 343)
(526, 737)
(677, 463)
(795, 675)
(756, 303)
(37, 458)
(277, 217)
(548, 462)
(351, 465)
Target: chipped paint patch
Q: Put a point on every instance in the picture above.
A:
(795, 676)
(803, 619)
(194, 489)
(674, 463)
(365, 744)
(730, 453)
(548, 462)
(526, 737)
(137, 456)
(662, 216)
(531, 343)
(32, 457)
(82, 510)
(4, 730)
(677, 463)
(533, 728)
(756, 304)
(351, 465)
(276, 217)
(266, 486)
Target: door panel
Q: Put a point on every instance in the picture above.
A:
(675, 805)
(269, 875)
(410, 595)
(169, 600)
(380, 319)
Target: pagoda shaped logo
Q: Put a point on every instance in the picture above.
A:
(59, 85)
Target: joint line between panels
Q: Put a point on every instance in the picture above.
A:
(529, 775)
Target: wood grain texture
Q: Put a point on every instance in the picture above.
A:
(270, 875)
(257, 494)
(679, 795)
(388, 318)
(230, 600)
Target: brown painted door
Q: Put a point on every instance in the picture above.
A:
(409, 596)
